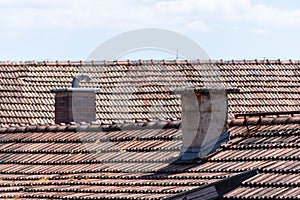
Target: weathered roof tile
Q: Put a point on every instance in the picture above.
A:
(153, 79)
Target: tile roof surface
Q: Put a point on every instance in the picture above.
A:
(135, 160)
(141, 90)
(87, 162)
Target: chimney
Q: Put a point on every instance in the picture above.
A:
(204, 121)
(75, 104)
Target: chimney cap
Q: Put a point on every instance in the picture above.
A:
(203, 90)
(75, 90)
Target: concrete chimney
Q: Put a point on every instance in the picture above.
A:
(204, 121)
(75, 105)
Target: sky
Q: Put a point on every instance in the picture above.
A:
(226, 29)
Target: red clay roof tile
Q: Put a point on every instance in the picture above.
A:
(54, 161)
(153, 77)
(132, 160)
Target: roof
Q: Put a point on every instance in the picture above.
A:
(141, 90)
(89, 161)
(128, 153)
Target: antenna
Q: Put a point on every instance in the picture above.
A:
(176, 54)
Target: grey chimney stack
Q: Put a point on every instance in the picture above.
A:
(204, 121)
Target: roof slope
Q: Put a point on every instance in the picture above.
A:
(141, 90)
(86, 162)
(134, 161)
(270, 144)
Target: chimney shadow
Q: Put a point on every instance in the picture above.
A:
(172, 169)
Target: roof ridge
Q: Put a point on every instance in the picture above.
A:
(93, 126)
(254, 119)
(267, 118)
(107, 127)
(140, 62)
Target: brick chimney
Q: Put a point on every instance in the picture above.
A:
(75, 105)
(204, 121)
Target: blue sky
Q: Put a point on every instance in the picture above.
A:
(72, 29)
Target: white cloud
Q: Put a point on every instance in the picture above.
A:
(271, 16)
(234, 28)
(112, 13)
(232, 10)
(35, 14)
(199, 26)
(69, 13)
(186, 6)
(10, 34)
(259, 31)
(127, 14)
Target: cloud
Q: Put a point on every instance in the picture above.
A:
(233, 10)
(56, 13)
(10, 34)
(187, 6)
(234, 28)
(35, 14)
(271, 16)
(127, 14)
(199, 26)
(259, 31)
(112, 13)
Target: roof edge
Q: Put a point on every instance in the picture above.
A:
(94, 126)
(153, 62)
(267, 118)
